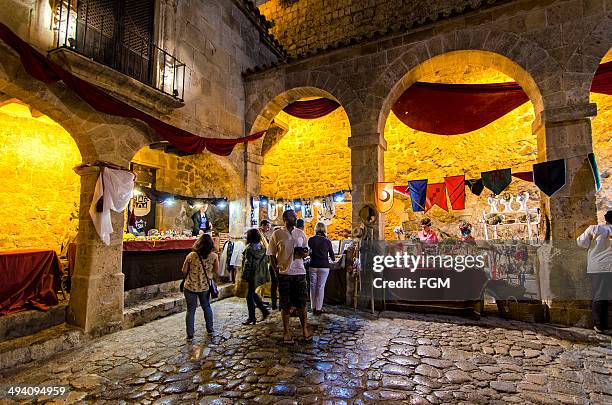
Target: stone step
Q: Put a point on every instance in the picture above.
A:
(150, 310)
(26, 323)
(39, 345)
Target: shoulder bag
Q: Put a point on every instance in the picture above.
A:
(212, 286)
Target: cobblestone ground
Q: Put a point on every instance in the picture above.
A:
(354, 358)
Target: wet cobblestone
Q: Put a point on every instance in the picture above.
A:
(354, 358)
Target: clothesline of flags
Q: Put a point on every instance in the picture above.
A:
(549, 177)
(297, 203)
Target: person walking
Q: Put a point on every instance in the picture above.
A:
(596, 238)
(255, 272)
(199, 267)
(287, 249)
(321, 251)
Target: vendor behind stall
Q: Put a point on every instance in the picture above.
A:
(201, 221)
(426, 234)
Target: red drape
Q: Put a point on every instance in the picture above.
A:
(28, 277)
(451, 109)
(45, 70)
(310, 109)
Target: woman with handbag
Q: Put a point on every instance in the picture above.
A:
(198, 284)
(254, 273)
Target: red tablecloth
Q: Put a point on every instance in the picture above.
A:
(28, 277)
(150, 245)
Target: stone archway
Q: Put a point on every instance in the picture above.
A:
(412, 154)
(326, 174)
(96, 301)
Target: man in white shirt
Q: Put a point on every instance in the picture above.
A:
(596, 238)
(287, 248)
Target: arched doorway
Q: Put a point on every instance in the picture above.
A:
(303, 160)
(505, 142)
(309, 159)
(39, 191)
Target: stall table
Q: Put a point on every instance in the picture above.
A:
(150, 262)
(29, 277)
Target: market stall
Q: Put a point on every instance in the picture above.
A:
(150, 261)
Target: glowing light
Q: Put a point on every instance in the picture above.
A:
(339, 198)
(169, 201)
(136, 192)
(221, 204)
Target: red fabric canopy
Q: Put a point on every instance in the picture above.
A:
(45, 70)
(310, 109)
(28, 277)
(451, 109)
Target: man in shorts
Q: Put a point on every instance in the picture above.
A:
(287, 249)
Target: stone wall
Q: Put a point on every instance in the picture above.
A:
(305, 25)
(311, 159)
(39, 191)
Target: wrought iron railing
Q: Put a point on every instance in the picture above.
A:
(140, 58)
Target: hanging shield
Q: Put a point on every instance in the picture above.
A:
(383, 196)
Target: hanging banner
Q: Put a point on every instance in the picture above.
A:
(475, 186)
(497, 180)
(595, 170)
(525, 176)
(549, 176)
(142, 205)
(383, 196)
(436, 195)
(456, 191)
(418, 193)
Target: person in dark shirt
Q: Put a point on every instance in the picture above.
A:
(320, 252)
(201, 221)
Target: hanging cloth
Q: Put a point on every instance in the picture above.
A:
(418, 194)
(436, 195)
(525, 176)
(497, 180)
(403, 190)
(595, 170)
(113, 191)
(475, 186)
(456, 191)
(223, 260)
(549, 176)
(310, 109)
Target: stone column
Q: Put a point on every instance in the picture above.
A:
(565, 133)
(252, 182)
(96, 298)
(367, 168)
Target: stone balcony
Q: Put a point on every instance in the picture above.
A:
(119, 85)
